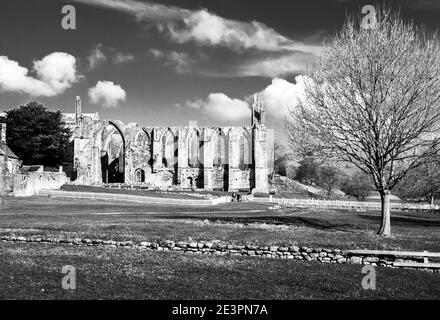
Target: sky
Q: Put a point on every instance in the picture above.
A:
(165, 63)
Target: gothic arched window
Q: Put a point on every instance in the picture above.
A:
(142, 139)
(169, 149)
(245, 152)
(193, 149)
(221, 149)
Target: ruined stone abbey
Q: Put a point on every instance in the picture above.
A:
(211, 158)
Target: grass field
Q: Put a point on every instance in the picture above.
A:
(142, 192)
(239, 223)
(31, 270)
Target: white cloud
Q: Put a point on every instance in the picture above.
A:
(271, 67)
(96, 57)
(56, 72)
(100, 54)
(277, 98)
(220, 107)
(181, 62)
(107, 93)
(281, 95)
(275, 67)
(122, 57)
(205, 28)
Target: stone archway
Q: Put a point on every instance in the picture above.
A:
(140, 175)
(113, 154)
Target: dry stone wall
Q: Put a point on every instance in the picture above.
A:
(219, 248)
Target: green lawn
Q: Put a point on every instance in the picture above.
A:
(239, 223)
(33, 271)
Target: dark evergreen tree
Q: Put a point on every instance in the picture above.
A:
(37, 135)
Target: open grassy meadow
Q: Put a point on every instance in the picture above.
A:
(238, 223)
(33, 270)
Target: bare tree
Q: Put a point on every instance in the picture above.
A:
(373, 99)
(423, 183)
(328, 177)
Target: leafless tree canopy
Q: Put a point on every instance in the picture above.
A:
(373, 99)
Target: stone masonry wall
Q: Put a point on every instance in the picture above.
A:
(144, 149)
(30, 183)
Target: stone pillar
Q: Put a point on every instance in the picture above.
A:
(96, 165)
(157, 151)
(260, 159)
(83, 159)
(234, 154)
(128, 163)
(182, 158)
(207, 160)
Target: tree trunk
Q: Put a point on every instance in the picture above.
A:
(432, 200)
(385, 226)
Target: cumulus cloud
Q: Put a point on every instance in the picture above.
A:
(281, 95)
(277, 98)
(221, 107)
(55, 73)
(108, 94)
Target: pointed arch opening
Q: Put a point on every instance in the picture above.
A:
(194, 149)
(221, 160)
(112, 154)
(195, 158)
(142, 139)
(245, 158)
(169, 149)
(170, 153)
(140, 175)
(221, 149)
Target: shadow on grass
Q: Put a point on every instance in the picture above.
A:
(406, 221)
(275, 220)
